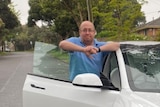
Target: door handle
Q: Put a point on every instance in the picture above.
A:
(34, 86)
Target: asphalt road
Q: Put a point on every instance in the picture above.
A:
(13, 70)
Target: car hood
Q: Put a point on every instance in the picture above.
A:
(150, 98)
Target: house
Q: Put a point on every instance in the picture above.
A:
(150, 29)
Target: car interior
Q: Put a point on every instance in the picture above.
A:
(110, 72)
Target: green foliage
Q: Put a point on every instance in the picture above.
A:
(23, 36)
(1, 24)
(65, 30)
(7, 16)
(135, 37)
(103, 34)
(123, 16)
(12, 9)
(42, 34)
(3, 33)
(111, 17)
(8, 20)
(125, 37)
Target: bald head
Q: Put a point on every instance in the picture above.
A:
(86, 23)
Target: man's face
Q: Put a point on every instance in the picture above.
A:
(87, 32)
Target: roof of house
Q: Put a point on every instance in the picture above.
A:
(153, 24)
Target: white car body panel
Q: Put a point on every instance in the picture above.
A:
(73, 96)
(55, 95)
(124, 80)
(151, 98)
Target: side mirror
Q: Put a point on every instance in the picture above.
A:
(87, 79)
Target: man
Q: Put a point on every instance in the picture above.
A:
(86, 53)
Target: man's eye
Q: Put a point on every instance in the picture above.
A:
(87, 30)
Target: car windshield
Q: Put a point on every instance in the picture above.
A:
(46, 65)
(142, 66)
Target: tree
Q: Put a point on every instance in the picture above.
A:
(1, 32)
(2, 25)
(8, 20)
(110, 15)
(121, 16)
(7, 16)
(50, 10)
(12, 9)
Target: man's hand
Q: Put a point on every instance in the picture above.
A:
(89, 50)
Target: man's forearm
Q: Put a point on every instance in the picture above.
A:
(111, 46)
(68, 46)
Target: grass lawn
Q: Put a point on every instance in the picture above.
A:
(3, 53)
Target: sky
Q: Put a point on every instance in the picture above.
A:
(23, 7)
(151, 10)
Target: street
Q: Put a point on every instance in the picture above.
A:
(13, 70)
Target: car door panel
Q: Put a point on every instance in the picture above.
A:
(45, 92)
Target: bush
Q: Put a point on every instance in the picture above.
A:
(137, 37)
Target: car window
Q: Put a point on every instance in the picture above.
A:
(45, 65)
(142, 65)
(111, 70)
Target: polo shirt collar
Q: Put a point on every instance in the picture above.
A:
(95, 42)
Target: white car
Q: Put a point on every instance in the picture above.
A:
(7, 50)
(130, 78)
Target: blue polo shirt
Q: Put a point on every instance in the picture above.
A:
(80, 63)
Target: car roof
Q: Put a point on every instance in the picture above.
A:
(140, 42)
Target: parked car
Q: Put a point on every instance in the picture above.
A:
(130, 78)
(7, 50)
